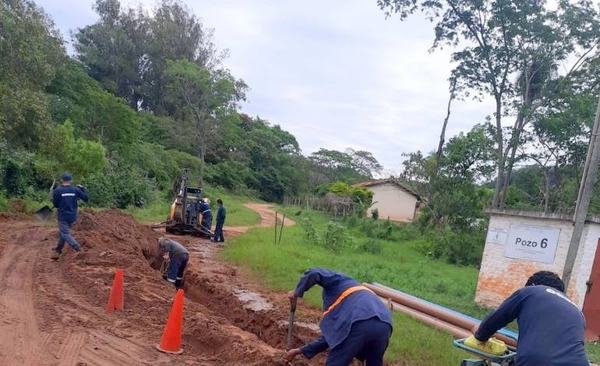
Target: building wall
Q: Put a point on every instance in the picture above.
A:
(393, 202)
(500, 275)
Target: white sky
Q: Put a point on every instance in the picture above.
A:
(336, 73)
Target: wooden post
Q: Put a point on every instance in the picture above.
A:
(583, 201)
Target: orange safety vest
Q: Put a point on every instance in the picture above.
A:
(344, 295)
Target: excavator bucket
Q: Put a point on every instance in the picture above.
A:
(43, 213)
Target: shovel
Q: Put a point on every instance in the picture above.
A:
(43, 213)
(291, 323)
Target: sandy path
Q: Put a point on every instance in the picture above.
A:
(19, 335)
(267, 219)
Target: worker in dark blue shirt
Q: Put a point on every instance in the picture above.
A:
(65, 199)
(178, 259)
(356, 322)
(206, 223)
(551, 326)
(221, 215)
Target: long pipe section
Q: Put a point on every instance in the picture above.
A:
(433, 311)
(502, 331)
(455, 331)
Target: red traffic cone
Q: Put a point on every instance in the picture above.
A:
(116, 300)
(171, 338)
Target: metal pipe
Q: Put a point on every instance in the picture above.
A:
(455, 331)
(502, 331)
(433, 311)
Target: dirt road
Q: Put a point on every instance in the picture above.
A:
(53, 313)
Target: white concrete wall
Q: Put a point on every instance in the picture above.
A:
(393, 202)
(499, 275)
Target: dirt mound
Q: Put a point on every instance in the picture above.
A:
(218, 328)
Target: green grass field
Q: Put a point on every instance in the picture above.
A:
(397, 263)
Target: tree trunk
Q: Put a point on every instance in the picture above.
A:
(514, 145)
(438, 156)
(516, 133)
(443, 133)
(500, 159)
(547, 190)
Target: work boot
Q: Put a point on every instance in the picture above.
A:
(55, 255)
(80, 252)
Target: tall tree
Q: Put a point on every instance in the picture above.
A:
(198, 95)
(497, 39)
(31, 51)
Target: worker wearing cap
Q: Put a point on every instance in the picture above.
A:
(356, 322)
(65, 199)
(206, 222)
(178, 259)
(551, 326)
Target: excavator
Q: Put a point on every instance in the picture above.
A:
(185, 216)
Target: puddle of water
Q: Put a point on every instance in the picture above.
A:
(311, 326)
(206, 250)
(252, 300)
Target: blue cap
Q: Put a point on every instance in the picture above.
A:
(66, 176)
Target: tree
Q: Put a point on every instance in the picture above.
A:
(198, 95)
(31, 51)
(114, 50)
(498, 39)
(364, 163)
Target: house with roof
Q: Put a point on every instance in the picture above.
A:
(393, 200)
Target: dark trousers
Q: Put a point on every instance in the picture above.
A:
(219, 232)
(176, 268)
(64, 228)
(368, 340)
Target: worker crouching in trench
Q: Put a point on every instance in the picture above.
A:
(178, 259)
(355, 324)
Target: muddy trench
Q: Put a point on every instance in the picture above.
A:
(265, 321)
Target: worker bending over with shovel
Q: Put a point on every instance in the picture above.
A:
(178, 259)
(356, 323)
(551, 326)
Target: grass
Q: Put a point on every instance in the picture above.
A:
(398, 266)
(396, 263)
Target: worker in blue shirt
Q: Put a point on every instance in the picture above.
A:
(551, 326)
(64, 198)
(178, 259)
(356, 322)
(206, 223)
(221, 215)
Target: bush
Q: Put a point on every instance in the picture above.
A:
(336, 237)
(462, 248)
(375, 214)
(309, 228)
(120, 186)
(371, 246)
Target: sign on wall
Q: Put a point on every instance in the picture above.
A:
(497, 236)
(533, 243)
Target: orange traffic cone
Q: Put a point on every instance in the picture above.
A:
(116, 300)
(171, 338)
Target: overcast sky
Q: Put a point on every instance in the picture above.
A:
(335, 73)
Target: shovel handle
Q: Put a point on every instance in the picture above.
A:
(293, 302)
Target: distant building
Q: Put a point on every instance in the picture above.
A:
(393, 200)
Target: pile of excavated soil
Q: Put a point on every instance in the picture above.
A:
(217, 328)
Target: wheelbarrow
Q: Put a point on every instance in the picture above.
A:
(504, 357)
